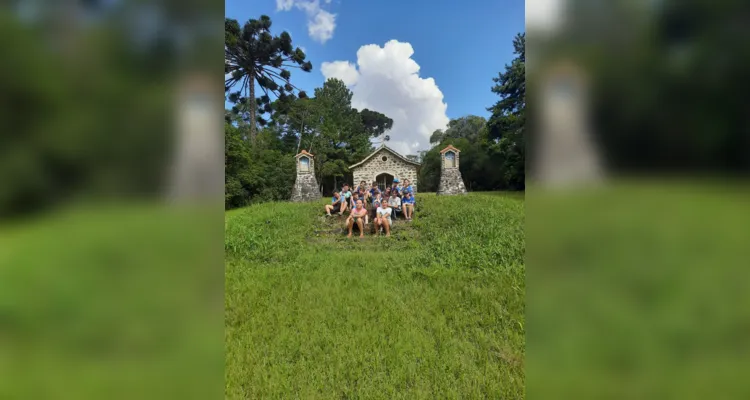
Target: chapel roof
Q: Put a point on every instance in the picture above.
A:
(390, 150)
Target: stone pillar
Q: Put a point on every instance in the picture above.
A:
(566, 153)
(305, 186)
(196, 169)
(451, 181)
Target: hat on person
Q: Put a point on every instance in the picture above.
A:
(396, 180)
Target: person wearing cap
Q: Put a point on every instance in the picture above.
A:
(383, 218)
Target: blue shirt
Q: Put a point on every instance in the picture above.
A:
(408, 200)
(334, 200)
(409, 189)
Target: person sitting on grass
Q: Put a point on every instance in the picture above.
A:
(383, 218)
(408, 188)
(395, 203)
(397, 187)
(353, 200)
(408, 205)
(362, 190)
(374, 189)
(377, 197)
(357, 216)
(353, 204)
(336, 204)
(346, 193)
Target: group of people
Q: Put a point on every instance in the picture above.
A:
(365, 204)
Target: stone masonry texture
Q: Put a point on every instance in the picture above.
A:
(451, 182)
(305, 186)
(393, 166)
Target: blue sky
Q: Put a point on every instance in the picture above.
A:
(462, 45)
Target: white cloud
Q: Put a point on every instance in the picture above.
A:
(320, 23)
(284, 5)
(343, 70)
(321, 27)
(386, 79)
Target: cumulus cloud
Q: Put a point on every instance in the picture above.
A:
(386, 79)
(343, 70)
(320, 23)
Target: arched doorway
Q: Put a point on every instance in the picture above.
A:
(384, 180)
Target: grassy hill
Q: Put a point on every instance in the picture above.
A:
(436, 311)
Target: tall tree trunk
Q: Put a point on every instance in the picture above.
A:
(252, 107)
(299, 141)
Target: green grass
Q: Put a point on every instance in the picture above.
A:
(119, 302)
(436, 311)
(639, 290)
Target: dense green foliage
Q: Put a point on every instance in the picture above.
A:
(669, 81)
(86, 106)
(436, 315)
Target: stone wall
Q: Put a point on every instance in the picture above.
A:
(305, 186)
(393, 165)
(451, 182)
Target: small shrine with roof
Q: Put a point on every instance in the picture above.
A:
(451, 181)
(305, 186)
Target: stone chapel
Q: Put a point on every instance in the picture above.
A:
(382, 166)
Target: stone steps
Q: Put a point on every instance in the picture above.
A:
(332, 231)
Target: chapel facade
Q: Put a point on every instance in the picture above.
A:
(382, 166)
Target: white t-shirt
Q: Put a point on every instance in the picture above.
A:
(394, 202)
(384, 212)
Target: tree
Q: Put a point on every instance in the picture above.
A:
(376, 124)
(506, 126)
(252, 55)
(298, 119)
(468, 127)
